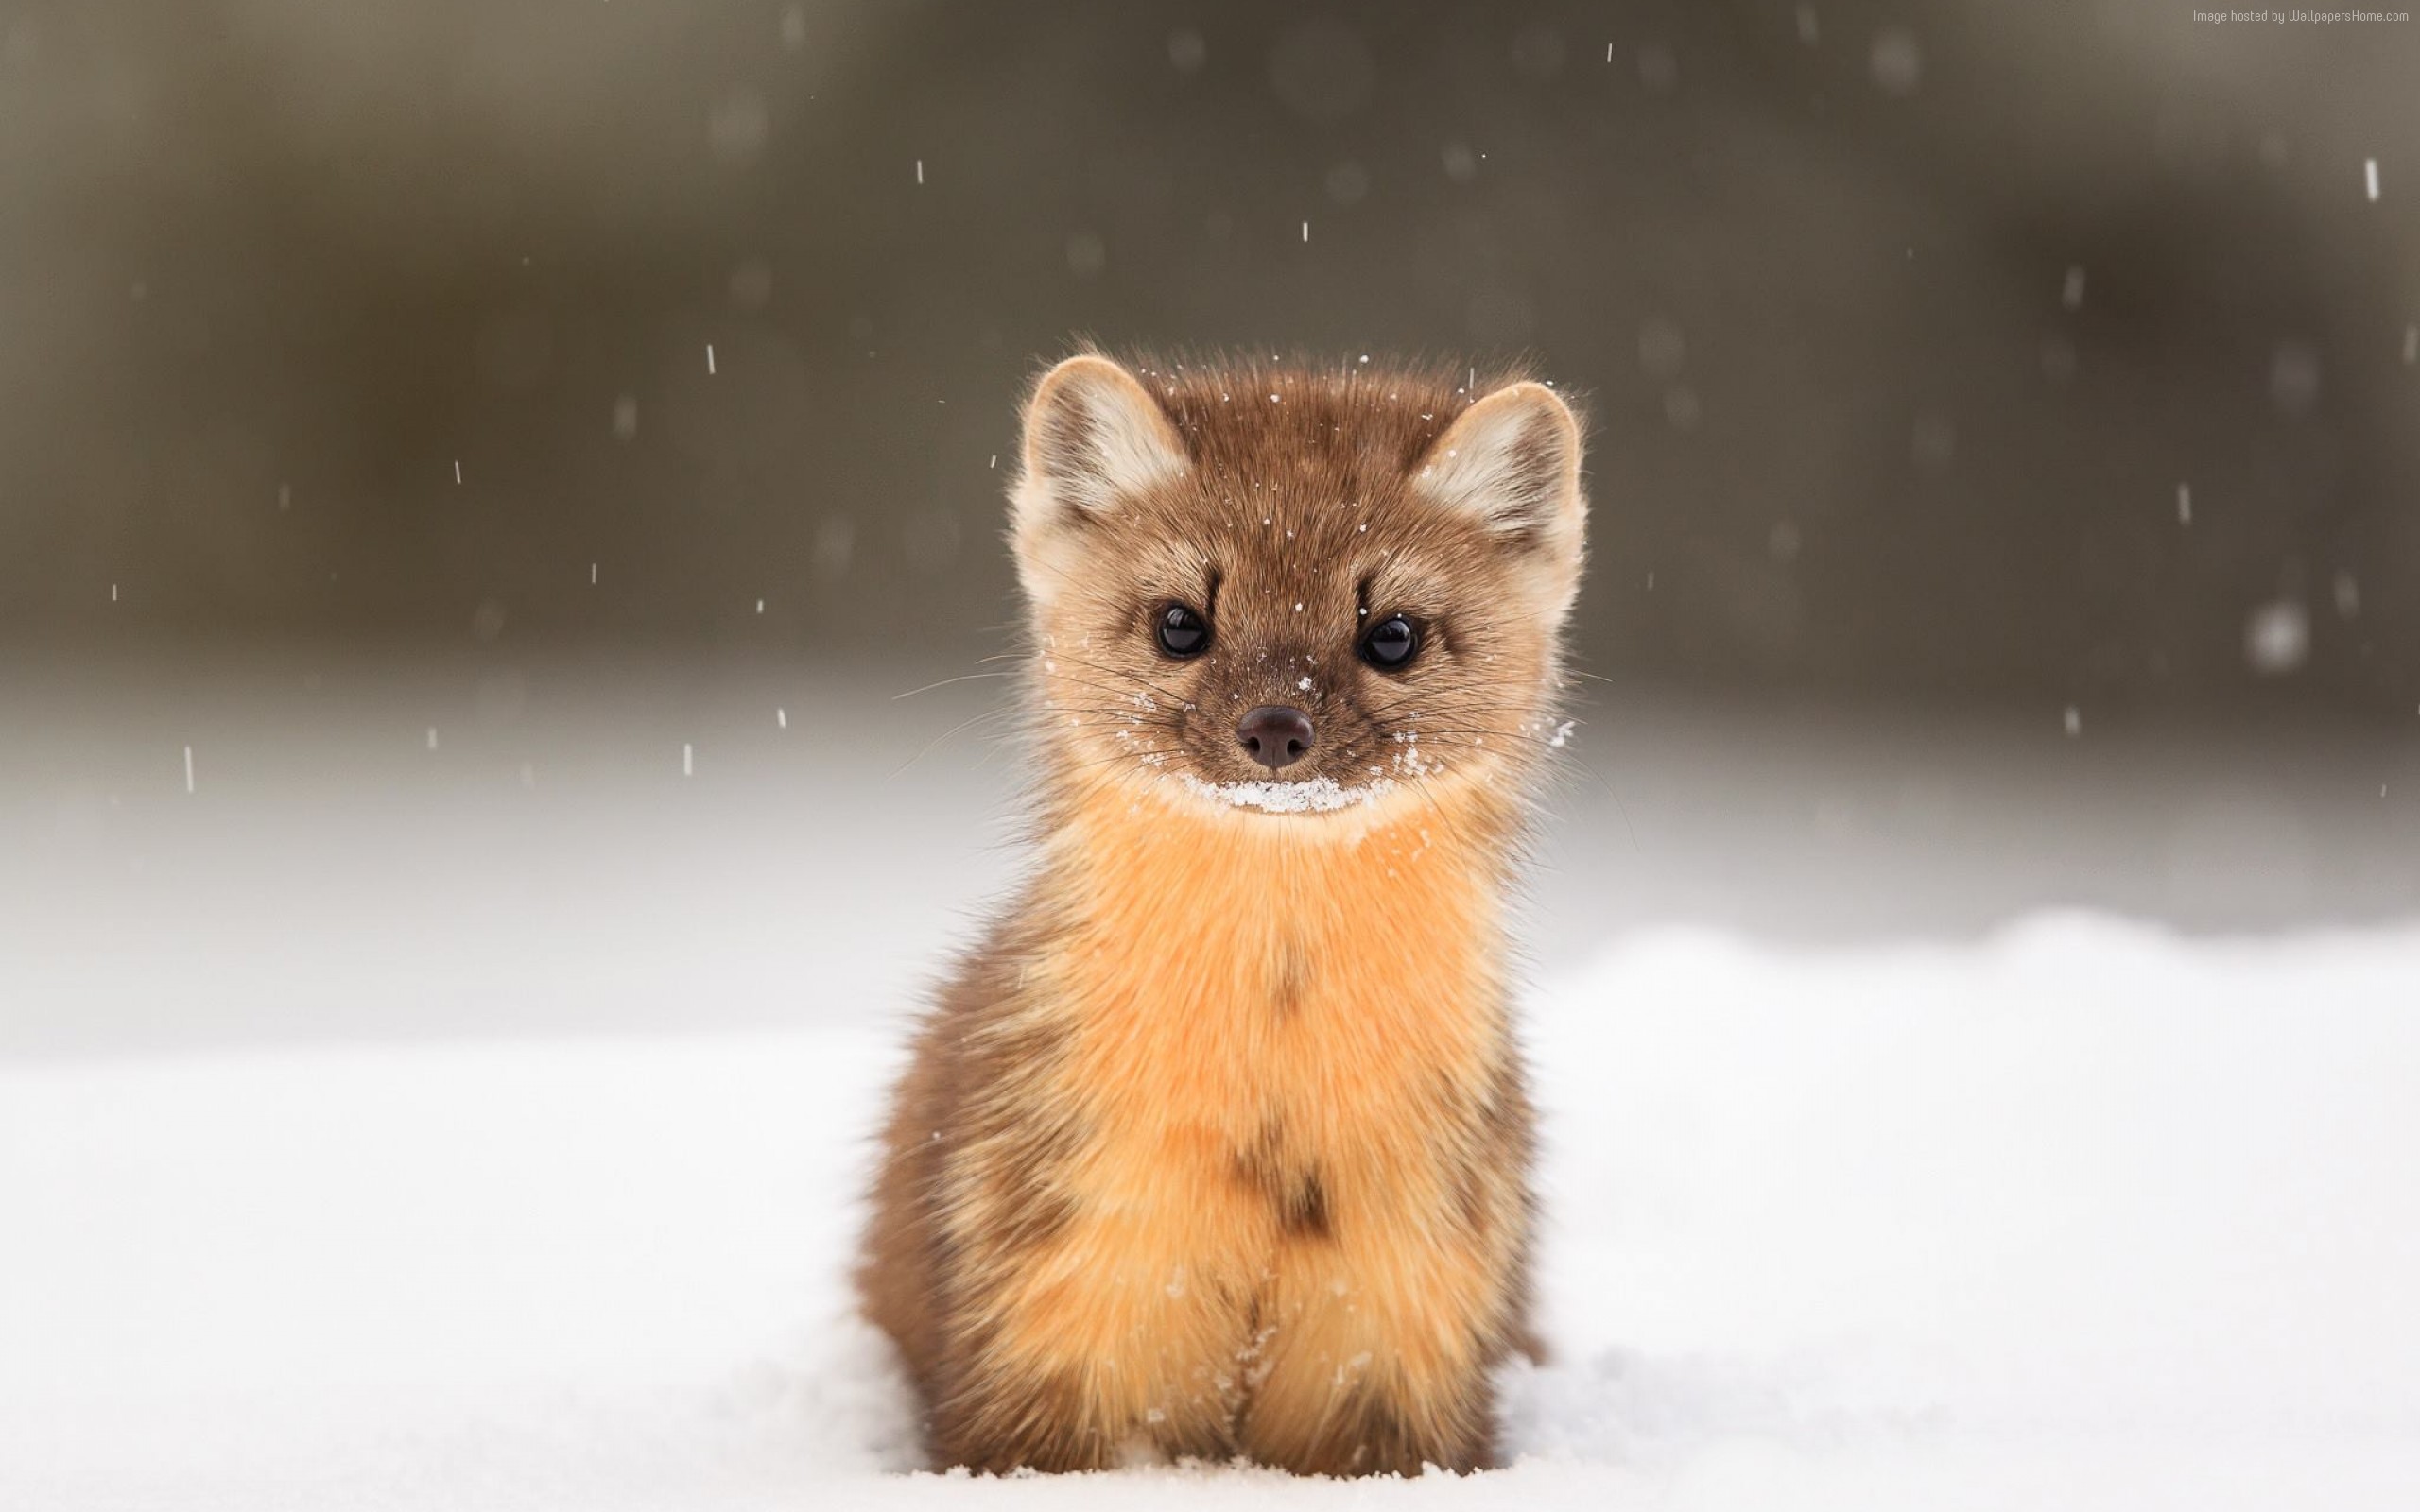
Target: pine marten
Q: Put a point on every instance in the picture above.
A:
(1220, 1145)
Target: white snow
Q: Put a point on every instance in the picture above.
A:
(1895, 61)
(1321, 795)
(2276, 636)
(2084, 1216)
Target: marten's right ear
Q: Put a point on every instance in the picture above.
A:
(1093, 435)
(1512, 462)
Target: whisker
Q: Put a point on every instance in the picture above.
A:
(967, 676)
(1135, 677)
(954, 730)
(1117, 693)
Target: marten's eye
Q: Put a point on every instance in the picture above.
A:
(1182, 632)
(1391, 643)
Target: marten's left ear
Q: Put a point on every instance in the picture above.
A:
(1513, 461)
(1094, 436)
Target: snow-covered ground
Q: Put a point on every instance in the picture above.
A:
(480, 1125)
(2080, 1217)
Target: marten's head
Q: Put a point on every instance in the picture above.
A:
(1271, 588)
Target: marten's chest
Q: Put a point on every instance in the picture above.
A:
(1233, 995)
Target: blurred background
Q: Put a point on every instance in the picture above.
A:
(475, 476)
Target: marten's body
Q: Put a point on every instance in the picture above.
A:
(1220, 1145)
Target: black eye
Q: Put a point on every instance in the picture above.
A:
(1182, 631)
(1389, 643)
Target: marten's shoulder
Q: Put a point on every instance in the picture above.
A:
(966, 1046)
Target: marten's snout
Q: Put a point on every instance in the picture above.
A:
(1276, 737)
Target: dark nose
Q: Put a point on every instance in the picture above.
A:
(1276, 737)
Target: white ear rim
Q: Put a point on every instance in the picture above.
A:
(1091, 433)
(1511, 461)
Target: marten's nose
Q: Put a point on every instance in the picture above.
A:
(1276, 737)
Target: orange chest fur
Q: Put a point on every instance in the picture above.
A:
(1227, 984)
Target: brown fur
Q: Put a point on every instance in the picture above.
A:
(1219, 1144)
